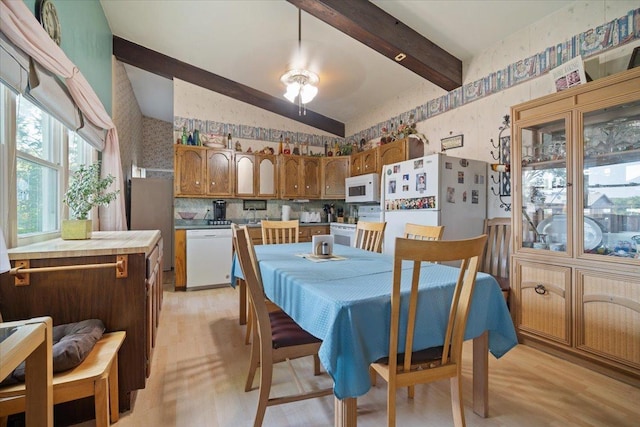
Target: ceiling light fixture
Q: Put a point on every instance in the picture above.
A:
(300, 83)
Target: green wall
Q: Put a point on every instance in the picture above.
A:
(87, 41)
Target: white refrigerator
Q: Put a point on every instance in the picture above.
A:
(434, 190)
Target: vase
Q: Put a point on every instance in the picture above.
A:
(76, 229)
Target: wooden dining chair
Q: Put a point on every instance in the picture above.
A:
(277, 336)
(275, 232)
(423, 232)
(495, 259)
(406, 369)
(369, 235)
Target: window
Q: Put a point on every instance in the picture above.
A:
(45, 153)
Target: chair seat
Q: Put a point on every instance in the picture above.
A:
(285, 332)
(504, 282)
(431, 356)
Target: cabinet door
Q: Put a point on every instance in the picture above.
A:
(245, 173)
(544, 296)
(391, 153)
(290, 171)
(311, 177)
(370, 161)
(334, 172)
(543, 185)
(219, 172)
(608, 316)
(267, 175)
(355, 167)
(189, 170)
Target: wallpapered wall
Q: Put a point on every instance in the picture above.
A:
(157, 147)
(127, 118)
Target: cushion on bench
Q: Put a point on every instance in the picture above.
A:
(72, 342)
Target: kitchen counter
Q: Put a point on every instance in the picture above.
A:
(101, 243)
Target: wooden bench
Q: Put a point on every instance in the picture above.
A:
(96, 376)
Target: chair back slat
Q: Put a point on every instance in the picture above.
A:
(495, 259)
(423, 232)
(277, 232)
(369, 235)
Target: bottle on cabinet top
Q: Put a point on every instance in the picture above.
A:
(287, 146)
(229, 142)
(280, 146)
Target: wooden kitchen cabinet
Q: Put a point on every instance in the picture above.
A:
(290, 173)
(256, 175)
(245, 175)
(220, 167)
(306, 232)
(300, 177)
(364, 162)
(180, 260)
(334, 171)
(267, 174)
(576, 227)
(393, 152)
(129, 303)
(189, 167)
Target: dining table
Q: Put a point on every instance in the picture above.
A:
(346, 302)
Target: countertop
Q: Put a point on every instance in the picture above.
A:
(101, 243)
(201, 224)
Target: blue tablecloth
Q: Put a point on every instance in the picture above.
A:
(347, 304)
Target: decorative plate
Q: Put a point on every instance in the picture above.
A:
(49, 20)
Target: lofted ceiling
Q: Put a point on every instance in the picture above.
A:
(252, 43)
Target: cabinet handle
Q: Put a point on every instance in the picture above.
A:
(198, 182)
(540, 289)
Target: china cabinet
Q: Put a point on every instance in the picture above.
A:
(575, 166)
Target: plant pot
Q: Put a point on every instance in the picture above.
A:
(76, 229)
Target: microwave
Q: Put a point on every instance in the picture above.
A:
(362, 188)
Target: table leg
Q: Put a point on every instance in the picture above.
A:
(481, 375)
(242, 288)
(346, 414)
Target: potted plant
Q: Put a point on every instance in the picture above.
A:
(86, 191)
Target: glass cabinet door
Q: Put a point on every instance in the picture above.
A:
(611, 181)
(545, 190)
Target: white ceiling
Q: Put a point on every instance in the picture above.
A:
(255, 42)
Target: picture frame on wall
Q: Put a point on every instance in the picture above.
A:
(451, 142)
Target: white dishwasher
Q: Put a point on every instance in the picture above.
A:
(209, 256)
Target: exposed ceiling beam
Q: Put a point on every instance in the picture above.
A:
(367, 23)
(168, 67)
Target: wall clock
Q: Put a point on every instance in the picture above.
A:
(49, 20)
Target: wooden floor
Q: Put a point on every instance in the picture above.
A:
(200, 362)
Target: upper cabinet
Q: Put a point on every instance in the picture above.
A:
(246, 175)
(370, 161)
(267, 174)
(219, 172)
(334, 171)
(300, 177)
(190, 163)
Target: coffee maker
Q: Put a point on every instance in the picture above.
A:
(219, 210)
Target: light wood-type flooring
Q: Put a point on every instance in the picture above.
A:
(200, 363)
